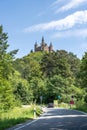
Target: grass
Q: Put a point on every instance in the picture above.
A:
(22, 114)
(81, 106)
(16, 116)
(63, 105)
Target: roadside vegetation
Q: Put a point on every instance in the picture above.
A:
(39, 77)
(82, 106)
(79, 105)
(18, 115)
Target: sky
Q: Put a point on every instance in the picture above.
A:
(62, 22)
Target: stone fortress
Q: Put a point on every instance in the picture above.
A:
(43, 46)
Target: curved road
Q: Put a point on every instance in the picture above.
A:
(58, 119)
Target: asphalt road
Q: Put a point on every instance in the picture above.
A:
(58, 119)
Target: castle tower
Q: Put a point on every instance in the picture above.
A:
(42, 43)
(35, 46)
(42, 39)
(51, 47)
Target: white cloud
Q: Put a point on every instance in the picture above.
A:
(72, 33)
(55, 3)
(70, 5)
(77, 18)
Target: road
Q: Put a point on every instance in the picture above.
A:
(58, 119)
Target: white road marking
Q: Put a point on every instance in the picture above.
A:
(48, 116)
(61, 116)
(25, 125)
(29, 122)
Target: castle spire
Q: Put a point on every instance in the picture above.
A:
(35, 46)
(51, 47)
(42, 39)
(51, 44)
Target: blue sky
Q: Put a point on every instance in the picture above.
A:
(62, 22)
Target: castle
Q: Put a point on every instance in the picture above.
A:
(43, 46)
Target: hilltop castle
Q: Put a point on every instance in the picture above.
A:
(43, 46)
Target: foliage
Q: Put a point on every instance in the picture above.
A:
(83, 71)
(6, 70)
(49, 74)
(85, 98)
(52, 64)
(6, 95)
(17, 116)
(25, 80)
(81, 105)
(21, 89)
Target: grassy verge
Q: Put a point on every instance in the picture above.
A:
(63, 105)
(16, 116)
(81, 106)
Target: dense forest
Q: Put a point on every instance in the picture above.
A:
(40, 74)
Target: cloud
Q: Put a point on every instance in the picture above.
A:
(70, 5)
(55, 3)
(71, 33)
(77, 18)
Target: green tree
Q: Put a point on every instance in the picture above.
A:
(74, 68)
(83, 71)
(6, 70)
(6, 58)
(85, 98)
(55, 63)
(6, 95)
(21, 89)
(58, 86)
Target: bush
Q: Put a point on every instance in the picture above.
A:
(82, 106)
(85, 98)
(15, 116)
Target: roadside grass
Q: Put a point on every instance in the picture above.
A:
(63, 105)
(17, 115)
(81, 106)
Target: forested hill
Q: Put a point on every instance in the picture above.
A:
(40, 74)
(51, 74)
(47, 65)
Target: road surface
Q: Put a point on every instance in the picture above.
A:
(58, 119)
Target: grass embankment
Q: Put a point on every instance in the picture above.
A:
(16, 116)
(81, 106)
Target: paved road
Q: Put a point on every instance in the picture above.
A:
(58, 119)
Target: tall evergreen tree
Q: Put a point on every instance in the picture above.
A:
(6, 58)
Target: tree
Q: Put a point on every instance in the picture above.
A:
(58, 86)
(6, 70)
(6, 95)
(5, 58)
(55, 63)
(85, 98)
(23, 93)
(83, 71)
